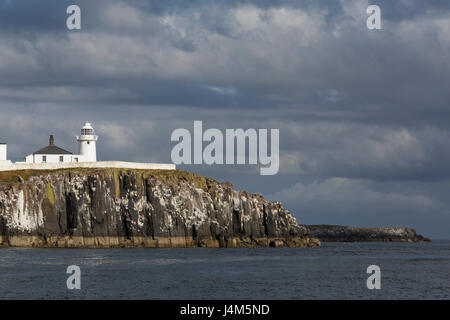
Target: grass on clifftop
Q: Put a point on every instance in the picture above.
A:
(14, 176)
(167, 176)
(173, 176)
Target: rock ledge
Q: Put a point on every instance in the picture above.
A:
(334, 233)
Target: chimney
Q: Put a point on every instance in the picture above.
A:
(51, 141)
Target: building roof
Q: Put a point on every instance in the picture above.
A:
(52, 149)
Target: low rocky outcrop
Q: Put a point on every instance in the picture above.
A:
(348, 234)
(147, 208)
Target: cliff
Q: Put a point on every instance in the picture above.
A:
(88, 207)
(348, 234)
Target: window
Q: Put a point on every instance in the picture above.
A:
(61, 158)
(76, 159)
(44, 158)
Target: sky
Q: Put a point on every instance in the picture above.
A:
(363, 115)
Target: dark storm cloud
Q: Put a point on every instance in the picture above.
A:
(357, 110)
(282, 63)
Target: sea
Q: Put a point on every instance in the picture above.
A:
(332, 271)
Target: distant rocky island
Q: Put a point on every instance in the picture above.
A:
(333, 233)
(107, 207)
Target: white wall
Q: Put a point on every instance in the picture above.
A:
(53, 158)
(87, 141)
(78, 158)
(88, 149)
(3, 152)
(6, 166)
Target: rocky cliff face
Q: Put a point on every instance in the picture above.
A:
(348, 234)
(118, 208)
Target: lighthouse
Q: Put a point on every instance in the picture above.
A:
(87, 141)
(53, 157)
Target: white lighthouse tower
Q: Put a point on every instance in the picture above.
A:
(87, 143)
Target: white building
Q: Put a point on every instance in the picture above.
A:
(3, 153)
(54, 154)
(52, 157)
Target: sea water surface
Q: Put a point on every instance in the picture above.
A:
(332, 271)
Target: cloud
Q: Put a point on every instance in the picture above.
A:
(338, 194)
(279, 54)
(371, 108)
(365, 203)
(116, 137)
(332, 147)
